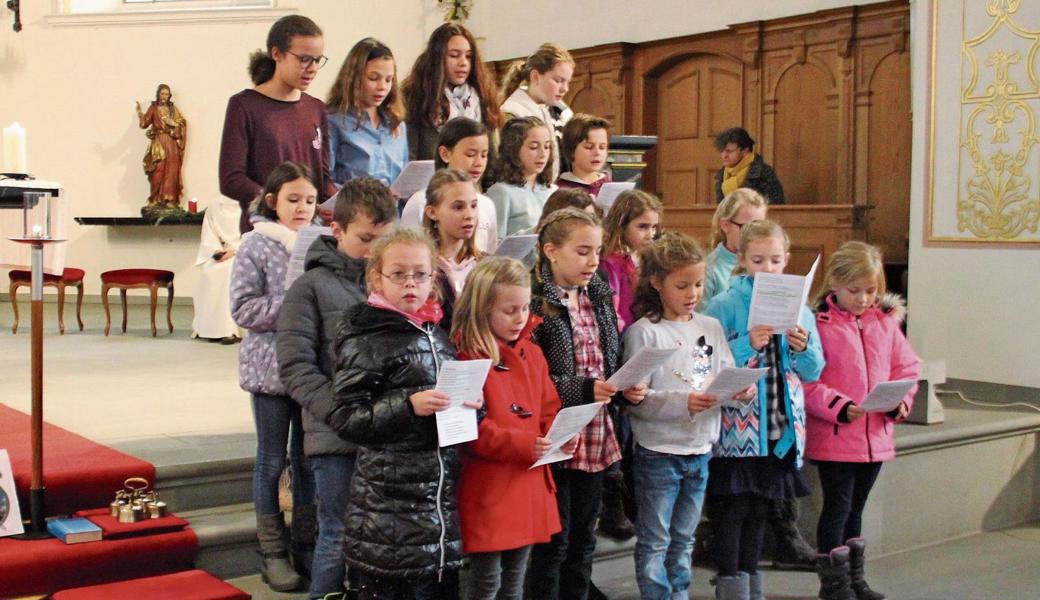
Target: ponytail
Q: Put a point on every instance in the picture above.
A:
(544, 59)
(261, 65)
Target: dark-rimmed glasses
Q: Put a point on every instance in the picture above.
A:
(306, 60)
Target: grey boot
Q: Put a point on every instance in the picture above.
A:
(833, 570)
(732, 587)
(857, 562)
(304, 535)
(790, 550)
(755, 587)
(275, 569)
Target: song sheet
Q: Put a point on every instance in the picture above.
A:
(886, 396)
(462, 381)
(777, 299)
(568, 423)
(304, 238)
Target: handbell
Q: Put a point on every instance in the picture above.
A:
(126, 514)
(157, 509)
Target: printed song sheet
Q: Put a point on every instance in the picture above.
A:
(730, 382)
(777, 299)
(415, 176)
(640, 367)
(886, 396)
(568, 423)
(608, 193)
(462, 381)
(517, 246)
(304, 238)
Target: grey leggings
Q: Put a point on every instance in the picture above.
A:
(498, 575)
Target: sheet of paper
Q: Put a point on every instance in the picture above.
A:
(608, 193)
(415, 176)
(730, 382)
(10, 515)
(517, 246)
(304, 238)
(886, 396)
(330, 204)
(777, 299)
(462, 381)
(568, 423)
(640, 367)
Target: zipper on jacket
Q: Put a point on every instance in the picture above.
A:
(440, 465)
(866, 415)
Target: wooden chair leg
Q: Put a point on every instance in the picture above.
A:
(14, 304)
(169, 306)
(61, 307)
(122, 298)
(79, 304)
(104, 302)
(153, 292)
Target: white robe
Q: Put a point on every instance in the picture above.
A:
(212, 293)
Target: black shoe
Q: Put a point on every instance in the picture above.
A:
(229, 340)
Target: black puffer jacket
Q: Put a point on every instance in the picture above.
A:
(402, 519)
(556, 337)
(761, 178)
(307, 325)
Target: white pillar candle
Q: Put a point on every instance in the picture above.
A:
(14, 149)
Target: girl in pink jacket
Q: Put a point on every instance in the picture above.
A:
(859, 328)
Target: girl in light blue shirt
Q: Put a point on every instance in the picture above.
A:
(366, 130)
(740, 207)
(523, 183)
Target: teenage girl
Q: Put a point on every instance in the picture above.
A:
(287, 202)
(523, 182)
(736, 210)
(759, 454)
(504, 505)
(677, 423)
(276, 121)
(366, 132)
(579, 337)
(450, 219)
(448, 80)
(859, 327)
(463, 145)
(583, 146)
(630, 225)
(535, 88)
(402, 533)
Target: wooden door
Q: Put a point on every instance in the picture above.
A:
(697, 99)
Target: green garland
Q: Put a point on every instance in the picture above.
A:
(455, 11)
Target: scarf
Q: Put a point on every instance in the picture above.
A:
(733, 178)
(456, 272)
(430, 312)
(277, 232)
(463, 101)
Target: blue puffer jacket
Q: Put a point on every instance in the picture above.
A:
(742, 435)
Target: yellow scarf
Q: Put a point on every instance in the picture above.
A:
(733, 178)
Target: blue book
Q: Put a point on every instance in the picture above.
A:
(74, 530)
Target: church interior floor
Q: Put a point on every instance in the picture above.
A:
(1002, 564)
(170, 399)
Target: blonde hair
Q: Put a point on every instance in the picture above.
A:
(544, 59)
(673, 251)
(760, 230)
(852, 261)
(405, 236)
(434, 195)
(629, 206)
(730, 206)
(470, 329)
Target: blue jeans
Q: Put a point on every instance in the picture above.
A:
(669, 494)
(275, 417)
(332, 474)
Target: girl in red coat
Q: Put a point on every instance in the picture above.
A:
(863, 346)
(505, 506)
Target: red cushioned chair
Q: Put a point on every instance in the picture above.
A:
(125, 279)
(69, 277)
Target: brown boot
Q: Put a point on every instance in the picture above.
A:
(790, 550)
(613, 522)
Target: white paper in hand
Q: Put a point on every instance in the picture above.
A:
(886, 396)
(777, 299)
(640, 367)
(462, 381)
(517, 246)
(609, 192)
(730, 382)
(415, 176)
(304, 238)
(568, 423)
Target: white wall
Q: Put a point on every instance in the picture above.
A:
(974, 308)
(74, 88)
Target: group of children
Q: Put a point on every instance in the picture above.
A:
(350, 354)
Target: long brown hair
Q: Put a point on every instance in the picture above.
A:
(434, 196)
(544, 59)
(345, 94)
(470, 326)
(628, 207)
(423, 89)
(671, 252)
(507, 165)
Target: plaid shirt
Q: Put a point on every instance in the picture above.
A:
(599, 447)
(777, 417)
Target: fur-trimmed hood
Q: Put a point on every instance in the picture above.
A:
(888, 303)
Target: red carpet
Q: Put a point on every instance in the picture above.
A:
(77, 472)
(189, 585)
(46, 566)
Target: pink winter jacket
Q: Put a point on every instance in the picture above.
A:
(860, 353)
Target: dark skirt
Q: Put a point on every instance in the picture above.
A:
(765, 476)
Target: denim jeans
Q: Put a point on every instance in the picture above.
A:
(498, 575)
(669, 494)
(332, 474)
(275, 417)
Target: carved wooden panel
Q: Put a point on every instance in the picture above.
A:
(805, 140)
